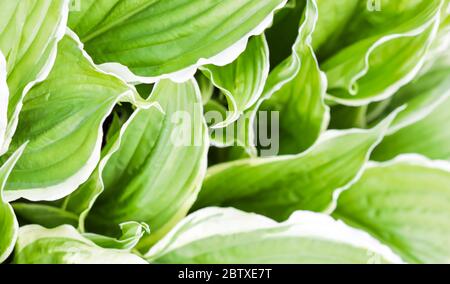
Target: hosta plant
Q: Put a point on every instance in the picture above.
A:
(224, 131)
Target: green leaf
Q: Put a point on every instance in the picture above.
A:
(62, 118)
(214, 113)
(222, 236)
(370, 67)
(29, 34)
(285, 78)
(345, 117)
(429, 137)
(8, 222)
(116, 124)
(206, 87)
(300, 101)
(190, 34)
(405, 204)
(64, 245)
(282, 35)
(4, 96)
(44, 215)
(441, 44)
(333, 19)
(131, 234)
(80, 202)
(242, 81)
(278, 186)
(156, 174)
(421, 97)
(419, 128)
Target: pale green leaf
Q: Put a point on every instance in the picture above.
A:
(29, 34)
(429, 136)
(157, 172)
(8, 222)
(4, 96)
(285, 79)
(206, 87)
(62, 118)
(226, 236)
(131, 234)
(278, 186)
(370, 67)
(300, 101)
(441, 44)
(405, 204)
(80, 202)
(333, 19)
(242, 81)
(420, 128)
(190, 34)
(64, 245)
(422, 97)
(44, 215)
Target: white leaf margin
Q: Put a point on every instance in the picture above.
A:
(101, 166)
(383, 127)
(223, 58)
(116, 146)
(128, 243)
(13, 123)
(414, 160)
(233, 108)
(31, 233)
(419, 115)
(355, 102)
(296, 64)
(411, 159)
(4, 98)
(8, 166)
(229, 221)
(104, 161)
(65, 188)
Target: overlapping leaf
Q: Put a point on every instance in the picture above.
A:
(288, 89)
(243, 80)
(64, 245)
(278, 186)
(155, 175)
(429, 136)
(334, 17)
(405, 204)
(62, 118)
(385, 70)
(80, 202)
(216, 235)
(300, 101)
(131, 234)
(8, 222)
(29, 34)
(44, 214)
(419, 129)
(155, 38)
(371, 61)
(4, 97)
